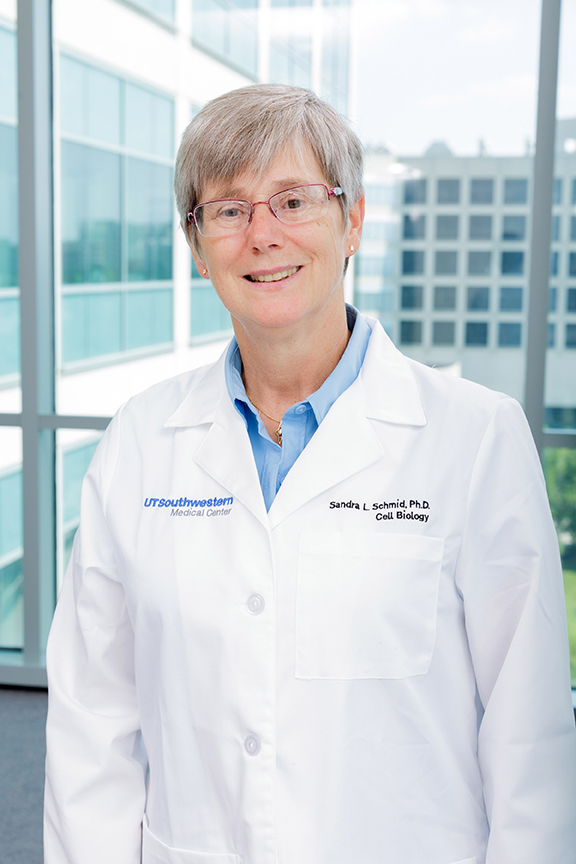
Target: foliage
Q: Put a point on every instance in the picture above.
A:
(570, 591)
(560, 473)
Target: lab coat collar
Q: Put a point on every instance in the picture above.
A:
(386, 378)
(344, 444)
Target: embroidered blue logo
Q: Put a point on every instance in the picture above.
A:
(193, 506)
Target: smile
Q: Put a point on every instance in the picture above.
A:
(274, 277)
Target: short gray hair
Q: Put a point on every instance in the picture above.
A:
(245, 129)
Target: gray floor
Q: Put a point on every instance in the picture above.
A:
(22, 749)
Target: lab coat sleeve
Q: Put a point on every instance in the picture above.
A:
(510, 577)
(95, 773)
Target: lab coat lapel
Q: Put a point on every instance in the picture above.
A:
(225, 452)
(346, 441)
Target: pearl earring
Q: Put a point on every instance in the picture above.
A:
(204, 272)
(351, 248)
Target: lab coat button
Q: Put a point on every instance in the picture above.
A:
(300, 409)
(255, 604)
(252, 745)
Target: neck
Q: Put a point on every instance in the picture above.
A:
(284, 366)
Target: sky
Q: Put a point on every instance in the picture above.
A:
(456, 71)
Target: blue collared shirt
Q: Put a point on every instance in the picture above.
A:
(301, 420)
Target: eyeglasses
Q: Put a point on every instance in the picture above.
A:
(292, 207)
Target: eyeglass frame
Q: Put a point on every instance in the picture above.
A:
(335, 192)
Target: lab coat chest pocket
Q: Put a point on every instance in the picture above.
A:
(156, 852)
(366, 605)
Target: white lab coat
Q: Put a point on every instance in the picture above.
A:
(373, 672)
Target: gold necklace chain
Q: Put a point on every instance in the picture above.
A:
(278, 431)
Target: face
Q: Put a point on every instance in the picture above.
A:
(273, 275)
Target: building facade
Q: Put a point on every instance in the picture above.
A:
(445, 265)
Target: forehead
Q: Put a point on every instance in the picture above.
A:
(294, 165)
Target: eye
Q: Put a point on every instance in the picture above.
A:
(293, 203)
(229, 213)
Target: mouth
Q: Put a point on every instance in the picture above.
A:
(272, 277)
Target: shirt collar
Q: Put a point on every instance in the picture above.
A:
(338, 381)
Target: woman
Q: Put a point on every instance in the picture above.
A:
(314, 613)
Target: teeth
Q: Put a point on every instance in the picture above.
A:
(275, 277)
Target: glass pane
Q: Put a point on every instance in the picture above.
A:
(455, 147)
(207, 314)
(90, 214)
(10, 397)
(11, 525)
(560, 473)
(150, 219)
(148, 122)
(227, 28)
(75, 448)
(89, 102)
(560, 392)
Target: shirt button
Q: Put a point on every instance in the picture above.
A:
(252, 745)
(255, 604)
(301, 409)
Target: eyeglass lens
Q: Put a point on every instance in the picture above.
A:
(296, 205)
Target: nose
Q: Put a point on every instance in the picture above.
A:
(264, 228)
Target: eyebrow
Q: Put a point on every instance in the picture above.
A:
(236, 193)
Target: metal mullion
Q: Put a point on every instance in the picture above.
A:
(37, 318)
(541, 220)
(69, 421)
(559, 439)
(10, 419)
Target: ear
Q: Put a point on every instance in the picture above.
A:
(200, 265)
(354, 226)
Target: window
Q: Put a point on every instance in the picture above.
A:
(448, 191)
(415, 191)
(481, 190)
(514, 228)
(379, 194)
(557, 191)
(551, 340)
(414, 227)
(515, 190)
(412, 261)
(117, 215)
(165, 8)
(512, 263)
(476, 333)
(9, 293)
(555, 231)
(480, 228)
(479, 263)
(370, 266)
(552, 299)
(554, 263)
(443, 332)
(573, 228)
(412, 297)
(445, 263)
(570, 341)
(378, 231)
(571, 300)
(510, 299)
(509, 334)
(228, 29)
(574, 191)
(572, 263)
(444, 297)
(291, 59)
(447, 227)
(410, 332)
(478, 298)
